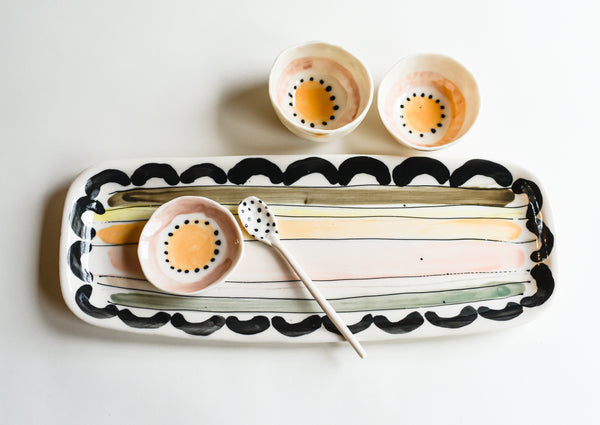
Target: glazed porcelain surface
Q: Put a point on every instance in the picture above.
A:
(188, 244)
(320, 91)
(428, 101)
(401, 247)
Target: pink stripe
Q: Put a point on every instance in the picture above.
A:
(325, 260)
(369, 259)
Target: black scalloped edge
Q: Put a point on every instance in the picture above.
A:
(239, 174)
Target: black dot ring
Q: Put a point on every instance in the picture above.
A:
(430, 96)
(328, 89)
(218, 242)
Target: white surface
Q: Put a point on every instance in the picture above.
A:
(83, 82)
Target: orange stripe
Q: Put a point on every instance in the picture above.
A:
(122, 233)
(399, 228)
(337, 228)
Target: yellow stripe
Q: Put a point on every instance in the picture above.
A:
(126, 214)
(463, 211)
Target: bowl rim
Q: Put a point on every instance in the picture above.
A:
(381, 96)
(319, 131)
(230, 270)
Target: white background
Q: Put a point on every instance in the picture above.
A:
(84, 82)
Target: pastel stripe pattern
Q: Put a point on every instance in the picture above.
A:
(359, 228)
(394, 243)
(369, 259)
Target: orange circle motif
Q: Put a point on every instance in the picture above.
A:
(191, 246)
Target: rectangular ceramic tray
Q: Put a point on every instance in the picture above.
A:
(401, 247)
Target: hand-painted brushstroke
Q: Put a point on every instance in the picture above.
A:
(333, 288)
(363, 165)
(125, 259)
(534, 194)
(541, 272)
(415, 166)
(304, 327)
(80, 206)
(143, 213)
(509, 312)
(355, 328)
(394, 301)
(303, 167)
(397, 227)
(129, 213)
(466, 316)
(346, 228)
(253, 326)
(320, 195)
(204, 328)
(204, 170)
(246, 168)
(386, 258)
(402, 326)
(535, 223)
(82, 299)
(77, 249)
(122, 233)
(482, 167)
(545, 286)
(545, 236)
(148, 171)
(94, 183)
(156, 321)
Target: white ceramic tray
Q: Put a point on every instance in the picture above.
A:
(402, 247)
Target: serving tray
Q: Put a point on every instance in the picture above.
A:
(402, 247)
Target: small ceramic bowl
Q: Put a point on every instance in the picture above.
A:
(428, 102)
(189, 244)
(320, 91)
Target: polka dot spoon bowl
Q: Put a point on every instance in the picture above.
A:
(428, 102)
(320, 91)
(261, 225)
(189, 244)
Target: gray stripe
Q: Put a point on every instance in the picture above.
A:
(351, 304)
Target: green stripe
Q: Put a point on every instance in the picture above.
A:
(341, 305)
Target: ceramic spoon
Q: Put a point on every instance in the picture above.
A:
(254, 214)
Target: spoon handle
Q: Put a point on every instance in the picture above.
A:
(321, 300)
